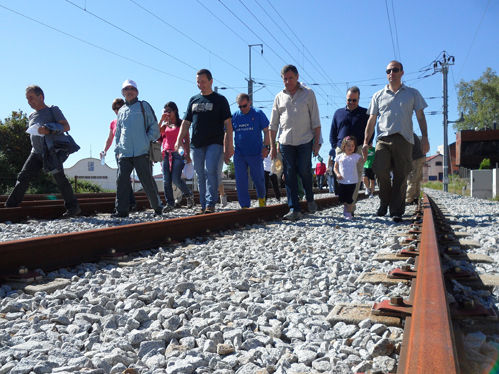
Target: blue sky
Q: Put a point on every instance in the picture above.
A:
(161, 45)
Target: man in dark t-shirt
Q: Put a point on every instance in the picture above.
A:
(209, 114)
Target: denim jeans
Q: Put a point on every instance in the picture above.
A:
(330, 183)
(275, 185)
(297, 162)
(241, 165)
(206, 167)
(174, 175)
(144, 171)
(320, 181)
(31, 168)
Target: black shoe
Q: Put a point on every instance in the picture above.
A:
(167, 209)
(397, 219)
(382, 210)
(133, 208)
(72, 213)
(119, 215)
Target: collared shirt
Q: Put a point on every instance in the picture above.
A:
(347, 123)
(297, 116)
(395, 111)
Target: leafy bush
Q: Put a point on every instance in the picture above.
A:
(485, 164)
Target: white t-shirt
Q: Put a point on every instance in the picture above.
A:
(348, 168)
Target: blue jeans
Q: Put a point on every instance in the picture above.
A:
(206, 161)
(31, 168)
(297, 162)
(320, 181)
(174, 175)
(255, 164)
(143, 166)
(330, 183)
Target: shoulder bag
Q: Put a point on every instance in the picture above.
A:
(154, 147)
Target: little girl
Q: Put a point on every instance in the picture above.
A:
(345, 168)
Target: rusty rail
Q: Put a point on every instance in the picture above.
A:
(56, 251)
(429, 345)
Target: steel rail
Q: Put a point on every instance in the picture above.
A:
(429, 345)
(57, 251)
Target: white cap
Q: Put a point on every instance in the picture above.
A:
(129, 82)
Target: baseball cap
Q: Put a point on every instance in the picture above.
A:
(129, 82)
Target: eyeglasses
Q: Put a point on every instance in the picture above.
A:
(129, 88)
(394, 70)
(243, 106)
(353, 100)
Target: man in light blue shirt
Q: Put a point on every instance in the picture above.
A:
(136, 128)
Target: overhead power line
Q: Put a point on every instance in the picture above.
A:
(94, 45)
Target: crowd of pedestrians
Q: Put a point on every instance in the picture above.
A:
(262, 148)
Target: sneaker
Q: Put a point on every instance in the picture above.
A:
(200, 211)
(261, 202)
(159, 212)
(119, 215)
(348, 216)
(367, 192)
(382, 210)
(190, 201)
(223, 200)
(72, 213)
(397, 219)
(312, 207)
(211, 209)
(345, 211)
(371, 195)
(167, 209)
(133, 208)
(293, 216)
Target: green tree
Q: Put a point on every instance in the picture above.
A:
(479, 101)
(230, 171)
(485, 164)
(15, 147)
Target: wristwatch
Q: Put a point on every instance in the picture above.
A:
(267, 146)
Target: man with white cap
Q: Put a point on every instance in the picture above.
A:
(137, 126)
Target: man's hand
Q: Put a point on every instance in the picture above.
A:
(43, 130)
(228, 154)
(265, 152)
(365, 147)
(273, 152)
(178, 143)
(316, 148)
(425, 145)
(187, 159)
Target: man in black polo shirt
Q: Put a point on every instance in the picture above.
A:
(210, 116)
(351, 120)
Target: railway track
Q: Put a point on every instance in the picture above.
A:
(52, 206)
(432, 316)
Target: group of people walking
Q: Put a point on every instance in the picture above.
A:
(263, 147)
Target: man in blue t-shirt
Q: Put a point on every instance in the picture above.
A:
(248, 124)
(209, 113)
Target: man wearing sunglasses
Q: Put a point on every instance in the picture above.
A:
(347, 121)
(248, 124)
(394, 105)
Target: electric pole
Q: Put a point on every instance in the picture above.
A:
(442, 66)
(250, 80)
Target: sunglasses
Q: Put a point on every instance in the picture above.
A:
(167, 111)
(130, 88)
(394, 70)
(243, 106)
(352, 100)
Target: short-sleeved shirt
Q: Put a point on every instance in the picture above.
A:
(395, 111)
(42, 117)
(348, 168)
(248, 132)
(207, 114)
(112, 126)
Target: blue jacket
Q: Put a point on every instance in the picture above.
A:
(132, 136)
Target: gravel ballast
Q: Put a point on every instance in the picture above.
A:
(250, 301)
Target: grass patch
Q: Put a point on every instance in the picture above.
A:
(455, 185)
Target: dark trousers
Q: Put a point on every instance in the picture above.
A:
(298, 163)
(144, 171)
(275, 185)
(31, 168)
(393, 153)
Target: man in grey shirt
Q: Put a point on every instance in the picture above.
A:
(394, 106)
(49, 121)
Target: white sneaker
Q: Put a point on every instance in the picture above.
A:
(348, 216)
(223, 200)
(367, 191)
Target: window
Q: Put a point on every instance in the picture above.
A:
(90, 166)
(438, 163)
